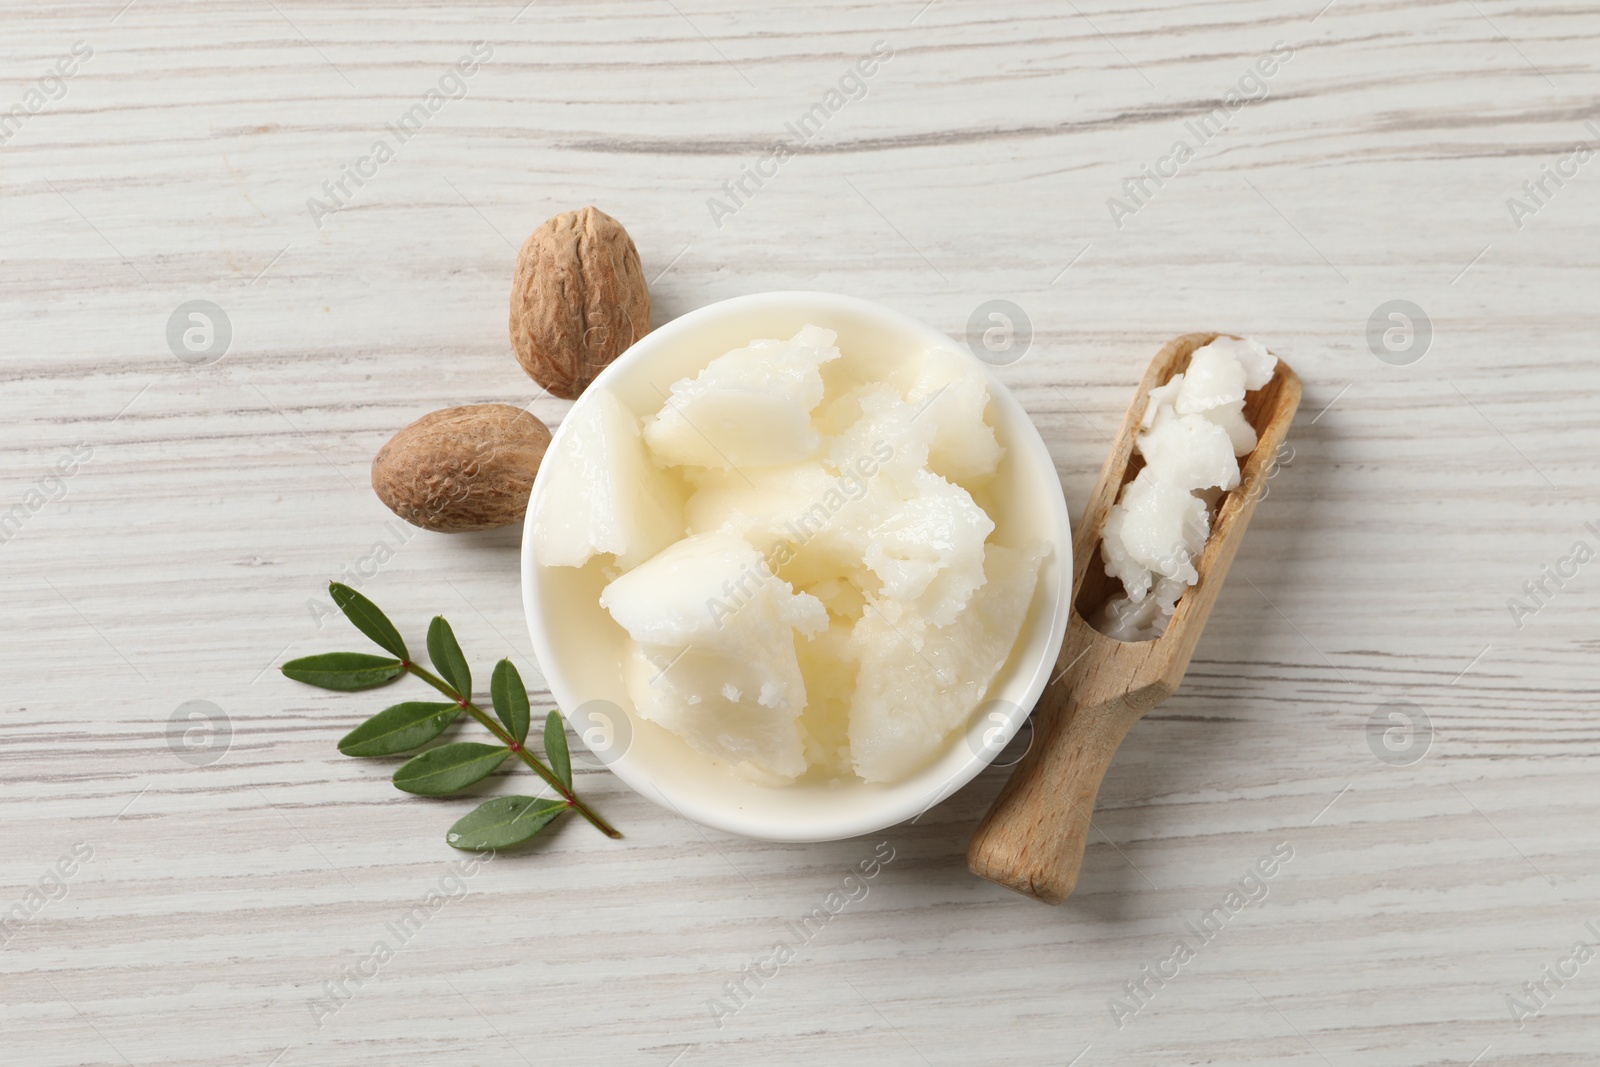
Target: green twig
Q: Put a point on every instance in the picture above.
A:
(510, 742)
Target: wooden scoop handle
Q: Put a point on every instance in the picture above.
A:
(1033, 838)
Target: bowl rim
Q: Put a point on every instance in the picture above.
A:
(872, 817)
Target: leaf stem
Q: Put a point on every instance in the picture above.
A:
(506, 739)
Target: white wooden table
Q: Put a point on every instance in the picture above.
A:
(213, 902)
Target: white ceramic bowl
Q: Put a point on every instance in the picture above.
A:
(579, 647)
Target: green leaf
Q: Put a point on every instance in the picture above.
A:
(448, 768)
(368, 619)
(447, 658)
(555, 748)
(347, 671)
(399, 729)
(503, 822)
(510, 699)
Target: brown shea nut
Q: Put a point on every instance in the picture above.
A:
(578, 301)
(465, 468)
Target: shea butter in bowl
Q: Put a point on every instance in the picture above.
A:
(796, 566)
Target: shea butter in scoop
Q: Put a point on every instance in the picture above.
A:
(1194, 432)
(795, 545)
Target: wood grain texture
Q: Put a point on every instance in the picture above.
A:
(186, 553)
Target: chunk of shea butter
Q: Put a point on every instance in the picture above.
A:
(765, 504)
(1194, 432)
(794, 515)
(1161, 399)
(1190, 450)
(1240, 433)
(828, 663)
(917, 682)
(749, 408)
(923, 538)
(1252, 355)
(920, 534)
(883, 435)
(715, 655)
(603, 494)
(1156, 529)
(1214, 378)
(950, 391)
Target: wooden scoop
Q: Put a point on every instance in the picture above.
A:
(1033, 838)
